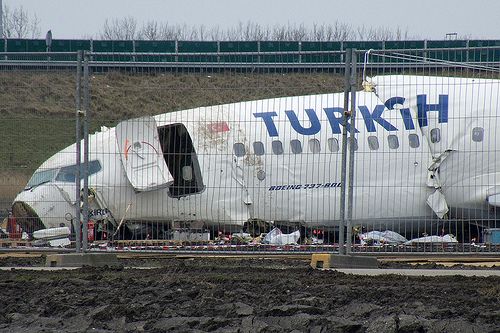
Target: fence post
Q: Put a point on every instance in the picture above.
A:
(343, 176)
(350, 195)
(348, 180)
(78, 101)
(86, 122)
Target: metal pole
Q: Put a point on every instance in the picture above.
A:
(343, 177)
(86, 108)
(1, 20)
(350, 195)
(76, 220)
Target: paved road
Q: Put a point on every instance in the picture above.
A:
(420, 272)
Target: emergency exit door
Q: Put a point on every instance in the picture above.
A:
(141, 154)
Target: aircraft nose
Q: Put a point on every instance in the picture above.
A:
(26, 217)
(44, 206)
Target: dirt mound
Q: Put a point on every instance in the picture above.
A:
(243, 295)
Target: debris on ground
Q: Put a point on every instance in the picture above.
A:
(381, 237)
(53, 237)
(449, 238)
(241, 238)
(277, 237)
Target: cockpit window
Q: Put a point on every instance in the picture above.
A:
(65, 174)
(41, 176)
(68, 173)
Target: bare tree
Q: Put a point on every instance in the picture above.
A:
(201, 32)
(297, 33)
(171, 32)
(108, 30)
(126, 28)
(120, 29)
(279, 33)
(214, 33)
(35, 29)
(318, 32)
(243, 31)
(7, 30)
(149, 31)
(342, 32)
(382, 33)
(19, 24)
(254, 31)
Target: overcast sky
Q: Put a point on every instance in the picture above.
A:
(424, 19)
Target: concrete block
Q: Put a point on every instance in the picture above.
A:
(320, 260)
(81, 259)
(326, 260)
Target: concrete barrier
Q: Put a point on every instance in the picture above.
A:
(81, 259)
(328, 260)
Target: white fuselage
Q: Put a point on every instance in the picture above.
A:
(280, 159)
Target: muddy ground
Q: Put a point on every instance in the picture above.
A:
(240, 295)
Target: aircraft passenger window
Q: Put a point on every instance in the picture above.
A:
(393, 141)
(414, 140)
(355, 144)
(435, 135)
(187, 173)
(373, 142)
(277, 147)
(296, 146)
(333, 145)
(477, 134)
(258, 148)
(314, 146)
(239, 149)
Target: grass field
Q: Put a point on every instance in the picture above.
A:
(37, 108)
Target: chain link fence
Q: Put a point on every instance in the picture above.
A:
(193, 155)
(437, 135)
(37, 120)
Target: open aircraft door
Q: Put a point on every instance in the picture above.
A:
(141, 154)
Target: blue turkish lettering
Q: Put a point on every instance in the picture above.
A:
(268, 120)
(335, 122)
(376, 115)
(335, 116)
(423, 108)
(313, 118)
(405, 112)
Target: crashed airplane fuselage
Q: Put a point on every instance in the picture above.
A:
(426, 148)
